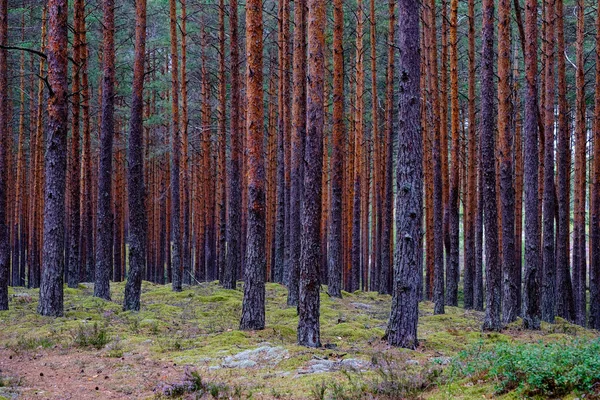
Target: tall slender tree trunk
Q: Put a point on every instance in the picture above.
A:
(402, 327)
(135, 168)
(309, 301)
(579, 247)
(594, 322)
(549, 267)
(471, 206)
(104, 236)
(531, 292)
(438, 204)
(386, 267)
(452, 276)
(4, 132)
(510, 278)
(564, 292)
(493, 293)
(51, 290)
(222, 144)
(177, 266)
(234, 197)
(335, 264)
(297, 151)
(253, 307)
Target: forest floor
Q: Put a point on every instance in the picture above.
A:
(187, 345)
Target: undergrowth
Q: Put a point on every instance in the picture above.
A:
(534, 369)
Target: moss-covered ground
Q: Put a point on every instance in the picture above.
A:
(197, 329)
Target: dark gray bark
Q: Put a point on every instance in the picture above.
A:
(4, 237)
(51, 289)
(309, 301)
(234, 197)
(492, 319)
(402, 327)
(104, 236)
(531, 292)
(135, 169)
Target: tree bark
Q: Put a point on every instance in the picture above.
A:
(309, 301)
(234, 215)
(253, 307)
(549, 267)
(135, 168)
(402, 327)
(335, 253)
(493, 294)
(104, 236)
(531, 291)
(4, 236)
(511, 284)
(51, 290)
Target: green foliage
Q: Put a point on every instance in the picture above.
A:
(95, 336)
(535, 369)
(30, 343)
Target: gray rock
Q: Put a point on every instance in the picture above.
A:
(253, 357)
(441, 360)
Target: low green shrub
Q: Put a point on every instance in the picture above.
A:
(534, 369)
(93, 336)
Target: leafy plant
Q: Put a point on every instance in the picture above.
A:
(540, 369)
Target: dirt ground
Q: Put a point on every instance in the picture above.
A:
(56, 374)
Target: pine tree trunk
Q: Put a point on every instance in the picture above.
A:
(471, 212)
(253, 307)
(531, 291)
(335, 262)
(402, 327)
(297, 151)
(594, 322)
(549, 267)
(4, 236)
(309, 301)
(104, 236)
(234, 215)
(386, 267)
(135, 168)
(488, 169)
(510, 280)
(177, 266)
(51, 290)
(452, 268)
(564, 292)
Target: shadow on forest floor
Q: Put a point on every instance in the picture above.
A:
(187, 344)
